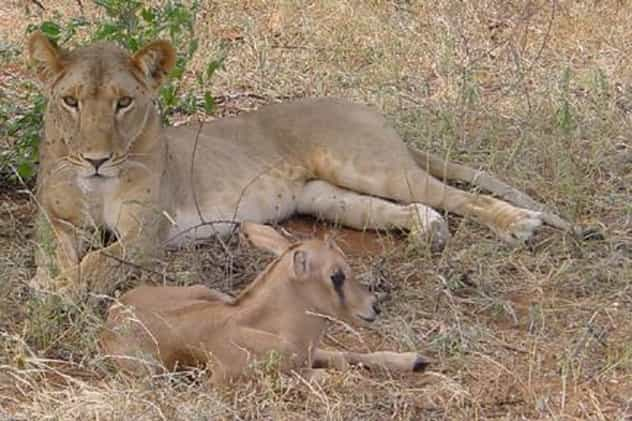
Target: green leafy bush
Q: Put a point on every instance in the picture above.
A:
(131, 24)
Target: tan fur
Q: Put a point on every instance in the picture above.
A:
(323, 157)
(284, 310)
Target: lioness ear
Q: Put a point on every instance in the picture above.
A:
(155, 60)
(46, 56)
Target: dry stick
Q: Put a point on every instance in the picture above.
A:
(195, 198)
(197, 204)
(241, 195)
(200, 225)
(246, 187)
(139, 267)
(191, 168)
(219, 99)
(38, 4)
(537, 56)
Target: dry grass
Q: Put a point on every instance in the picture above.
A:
(536, 91)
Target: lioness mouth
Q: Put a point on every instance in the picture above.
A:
(370, 319)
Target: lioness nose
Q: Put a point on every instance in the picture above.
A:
(376, 308)
(97, 162)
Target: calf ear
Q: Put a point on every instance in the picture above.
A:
(264, 237)
(46, 56)
(155, 60)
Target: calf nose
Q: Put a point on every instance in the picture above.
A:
(97, 162)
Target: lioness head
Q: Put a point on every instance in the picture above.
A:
(100, 99)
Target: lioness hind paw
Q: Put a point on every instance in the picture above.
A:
(523, 228)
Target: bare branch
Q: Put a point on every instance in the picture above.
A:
(139, 267)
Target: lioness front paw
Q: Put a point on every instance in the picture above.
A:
(429, 225)
(521, 226)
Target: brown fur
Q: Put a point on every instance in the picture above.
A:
(284, 310)
(323, 157)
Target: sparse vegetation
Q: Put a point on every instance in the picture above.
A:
(537, 92)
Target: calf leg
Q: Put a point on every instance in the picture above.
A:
(395, 361)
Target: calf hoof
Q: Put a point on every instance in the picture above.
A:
(420, 364)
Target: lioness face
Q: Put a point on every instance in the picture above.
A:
(101, 98)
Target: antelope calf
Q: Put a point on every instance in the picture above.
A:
(286, 309)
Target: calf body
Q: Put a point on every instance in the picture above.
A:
(285, 310)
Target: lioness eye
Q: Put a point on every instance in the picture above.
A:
(71, 101)
(123, 102)
(338, 278)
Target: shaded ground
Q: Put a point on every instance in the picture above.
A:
(536, 91)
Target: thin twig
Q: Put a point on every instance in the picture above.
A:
(220, 99)
(192, 166)
(38, 4)
(537, 57)
(247, 186)
(194, 192)
(200, 225)
(139, 267)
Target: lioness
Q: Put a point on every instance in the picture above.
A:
(105, 161)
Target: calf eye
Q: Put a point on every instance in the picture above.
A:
(338, 279)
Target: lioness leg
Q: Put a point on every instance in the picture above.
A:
(446, 170)
(396, 361)
(326, 201)
(401, 179)
(100, 270)
(56, 251)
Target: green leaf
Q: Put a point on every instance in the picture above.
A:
(177, 72)
(106, 31)
(212, 67)
(51, 30)
(26, 170)
(193, 46)
(209, 103)
(149, 15)
(133, 44)
(199, 79)
(168, 95)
